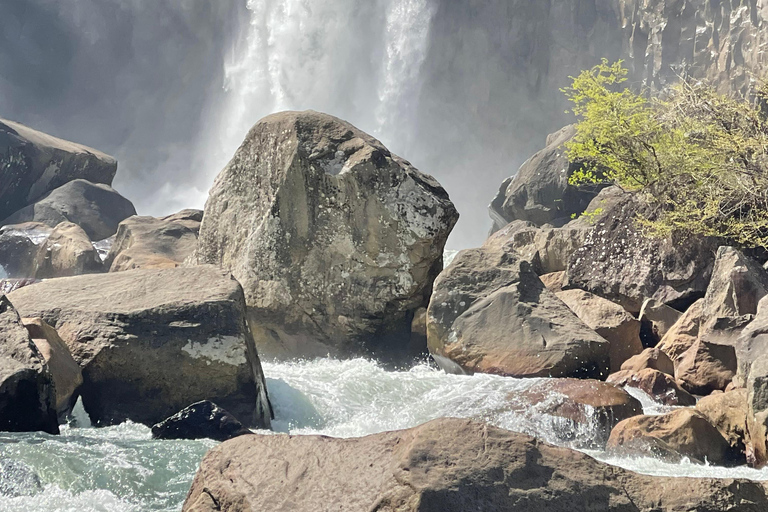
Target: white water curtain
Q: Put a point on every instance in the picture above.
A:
(357, 60)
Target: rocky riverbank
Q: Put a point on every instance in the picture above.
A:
(316, 241)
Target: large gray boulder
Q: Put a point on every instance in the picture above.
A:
(335, 240)
(539, 192)
(622, 264)
(149, 242)
(151, 342)
(490, 313)
(447, 465)
(95, 207)
(27, 396)
(33, 163)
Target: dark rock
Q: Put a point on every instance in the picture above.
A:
(336, 240)
(583, 403)
(620, 263)
(446, 465)
(19, 245)
(201, 420)
(658, 319)
(490, 313)
(95, 207)
(150, 342)
(539, 192)
(33, 163)
(27, 396)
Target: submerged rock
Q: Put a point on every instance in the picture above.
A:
(33, 163)
(490, 313)
(18, 479)
(95, 207)
(446, 465)
(148, 242)
(27, 396)
(151, 342)
(583, 404)
(335, 240)
(201, 420)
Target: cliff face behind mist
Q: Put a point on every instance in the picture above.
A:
(145, 81)
(507, 60)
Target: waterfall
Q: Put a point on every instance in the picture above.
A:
(359, 61)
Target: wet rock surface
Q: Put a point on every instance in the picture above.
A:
(447, 465)
(200, 420)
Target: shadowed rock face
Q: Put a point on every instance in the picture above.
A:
(446, 465)
(150, 342)
(335, 240)
(97, 208)
(33, 163)
(27, 396)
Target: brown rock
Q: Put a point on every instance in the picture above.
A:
(446, 465)
(67, 252)
(659, 317)
(582, 402)
(610, 321)
(660, 386)
(706, 367)
(728, 413)
(680, 433)
(66, 373)
(148, 242)
(490, 313)
(553, 281)
(684, 333)
(650, 358)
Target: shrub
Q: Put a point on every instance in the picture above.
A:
(699, 157)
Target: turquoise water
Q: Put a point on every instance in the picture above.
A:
(122, 469)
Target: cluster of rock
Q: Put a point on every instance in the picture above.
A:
(565, 290)
(316, 241)
(115, 320)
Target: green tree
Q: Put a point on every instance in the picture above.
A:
(700, 157)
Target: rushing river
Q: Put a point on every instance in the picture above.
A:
(122, 469)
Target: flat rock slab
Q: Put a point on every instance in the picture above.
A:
(150, 342)
(446, 465)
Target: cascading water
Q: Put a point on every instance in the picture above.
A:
(336, 57)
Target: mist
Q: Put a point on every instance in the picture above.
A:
(465, 90)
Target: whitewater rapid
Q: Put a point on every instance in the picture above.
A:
(121, 469)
